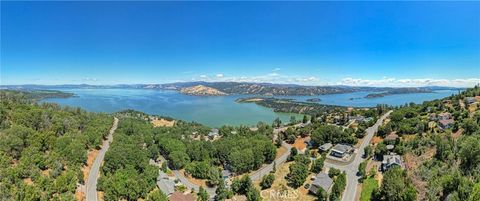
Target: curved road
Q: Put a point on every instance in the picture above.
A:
(257, 175)
(352, 168)
(91, 184)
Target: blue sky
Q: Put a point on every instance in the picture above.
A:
(311, 43)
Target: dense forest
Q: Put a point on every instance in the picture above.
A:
(291, 106)
(44, 146)
(442, 163)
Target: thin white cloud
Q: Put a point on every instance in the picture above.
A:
(276, 69)
(392, 82)
(274, 77)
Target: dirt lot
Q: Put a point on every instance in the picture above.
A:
(281, 192)
(412, 163)
(162, 123)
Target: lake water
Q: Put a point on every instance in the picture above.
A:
(215, 111)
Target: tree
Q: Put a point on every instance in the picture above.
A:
(178, 159)
(297, 175)
(362, 171)
(267, 181)
(305, 119)
(475, 195)
(317, 165)
(395, 186)
(293, 153)
(469, 152)
(332, 172)
(202, 194)
(253, 194)
(222, 192)
(470, 126)
(277, 123)
(241, 186)
(368, 151)
(321, 194)
(156, 195)
(338, 186)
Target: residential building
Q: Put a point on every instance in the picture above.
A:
(213, 134)
(444, 116)
(325, 147)
(341, 150)
(446, 124)
(165, 184)
(321, 180)
(392, 137)
(392, 160)
(470, 100)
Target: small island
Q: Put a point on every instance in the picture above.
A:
(201, 90)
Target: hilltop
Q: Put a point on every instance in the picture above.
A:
(251, 88)
(200, 90)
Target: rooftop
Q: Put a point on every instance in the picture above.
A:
(446, 121)
(342, 148)
(392, 136)
(326, 146)
(178, 196)
(323, 180)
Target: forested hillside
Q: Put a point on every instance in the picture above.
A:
(44, 146)
(440, 143)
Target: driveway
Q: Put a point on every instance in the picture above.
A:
(352, 168)
(91, 184)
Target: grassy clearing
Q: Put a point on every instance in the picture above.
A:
(369, 185)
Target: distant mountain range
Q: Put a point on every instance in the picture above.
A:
(247, 88)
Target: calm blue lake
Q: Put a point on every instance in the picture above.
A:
(218, 110)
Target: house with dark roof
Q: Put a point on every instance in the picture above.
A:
(325, 147)
(392, 160)
(341, 150)
(321, 180)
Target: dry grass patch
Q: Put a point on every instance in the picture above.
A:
(28, 181)
(280, 151)
(300, 144)
(92, 154)
(376, 140)
(280, 185)
(79, 195)
(162, 123)
(198, 182)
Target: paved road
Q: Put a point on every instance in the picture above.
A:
(257, 175)
(352, 168)
(91, 184)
